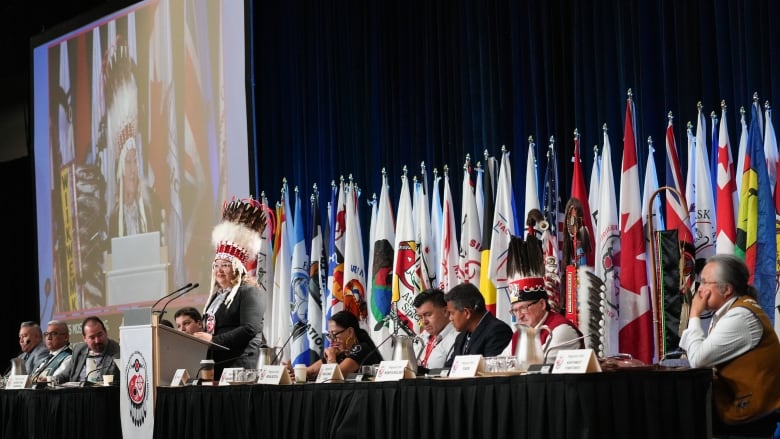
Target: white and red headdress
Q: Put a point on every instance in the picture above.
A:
(237, 238)
(525, 269)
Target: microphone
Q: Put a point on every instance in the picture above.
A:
(87, 382)
(169, 295)
(556, 346)
(386, 318)
(376, 349)
(27, 342)
(393, 315)
(186, 290)
(295, 332)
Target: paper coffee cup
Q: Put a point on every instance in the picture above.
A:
(300, 373)
(108, 380)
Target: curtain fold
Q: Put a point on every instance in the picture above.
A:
(351, 87)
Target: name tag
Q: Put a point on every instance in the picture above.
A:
(180, 378)
(18, 381)
(465, 366)
(273, 375)
(394, 371)
(329, 372)
(576, 361)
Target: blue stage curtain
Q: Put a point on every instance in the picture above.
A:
(350, 87)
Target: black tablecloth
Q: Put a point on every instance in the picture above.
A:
(623, 404)
(64, 413)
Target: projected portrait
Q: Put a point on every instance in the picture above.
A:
(143, 133)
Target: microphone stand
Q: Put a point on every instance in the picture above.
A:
(295, 332)
(185, 291)
(165, 297)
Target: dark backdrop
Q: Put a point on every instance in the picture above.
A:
(349, 87)
(353, 86)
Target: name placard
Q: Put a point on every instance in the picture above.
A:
(227, 375)
(394, 371)
(329, 372)
(274, 375)
(465, 366)
(576, 361)
(180, 378)
(17, 381)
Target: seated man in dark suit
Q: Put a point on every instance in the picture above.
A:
(480, 332)
(57, 338)
(34, 350)
(93, 358)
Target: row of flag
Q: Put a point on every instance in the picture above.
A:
(414, 245)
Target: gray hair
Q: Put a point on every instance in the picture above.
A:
(32, 325)
(733, 271)
(60, 324)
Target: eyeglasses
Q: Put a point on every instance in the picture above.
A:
(332, 336)
(223, 265)
(523, 308)
(706, 282)
(53, 334)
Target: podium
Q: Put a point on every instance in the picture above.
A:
(151, 353)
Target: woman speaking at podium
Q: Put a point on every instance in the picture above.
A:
(233, 316)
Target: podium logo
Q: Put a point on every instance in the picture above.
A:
(136, 371)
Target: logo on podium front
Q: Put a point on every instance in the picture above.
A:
(137, 373)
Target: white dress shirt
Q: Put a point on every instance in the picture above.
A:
(732, 332)
(441, 350)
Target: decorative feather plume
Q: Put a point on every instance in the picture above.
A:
(591, 305)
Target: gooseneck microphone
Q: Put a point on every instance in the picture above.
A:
(183, 292)
(393, 315)
(547, 348)
(376, 349)
(295, 332)
(167, 296)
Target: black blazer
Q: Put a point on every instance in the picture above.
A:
(489, 339)
(239, 328)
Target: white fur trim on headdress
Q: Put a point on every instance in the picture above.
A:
(238, 239)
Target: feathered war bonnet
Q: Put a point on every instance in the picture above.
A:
(121, 120)
(525, 269)
(237, 239)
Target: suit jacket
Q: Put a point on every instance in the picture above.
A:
(239, 327)
(79, 361)
(489, 339)
(35, 357)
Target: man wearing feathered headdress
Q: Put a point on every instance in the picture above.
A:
(132, 212)
(529, 298)
(233, 316)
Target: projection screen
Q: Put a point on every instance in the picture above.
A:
(139, 136)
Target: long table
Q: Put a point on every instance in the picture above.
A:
(58, 414)
(621, 404)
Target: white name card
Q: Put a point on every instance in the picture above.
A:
(465, 366)
(227, 375)
(273, 375)
(576, 361)
(17, 381)
(180, 378)
(394, 371)
(329, 372)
